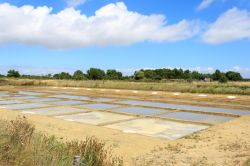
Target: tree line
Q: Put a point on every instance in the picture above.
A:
(143, 75)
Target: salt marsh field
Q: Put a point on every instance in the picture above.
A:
(165, 120)
(138, 125)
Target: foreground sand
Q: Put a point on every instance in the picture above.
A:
(223, 144)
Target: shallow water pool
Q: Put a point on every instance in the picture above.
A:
(196, 117)
(184, 107)
(140, 110)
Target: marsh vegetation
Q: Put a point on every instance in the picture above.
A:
(22, 145)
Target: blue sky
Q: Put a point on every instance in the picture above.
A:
(126, 35)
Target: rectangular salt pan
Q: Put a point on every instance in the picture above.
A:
(4, 102)
(140, 110)
(95, 117)
(30, 93)
(25, 97)
(71, 97)
(25, 106)
(185, 107)
(101, 99)
(4, 94)
(99, 106)
(157, 128)
(43, 100)
(82, 98)
(196, 117)
(54, 111)
(67, 102)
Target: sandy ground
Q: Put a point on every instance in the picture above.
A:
(224, 144)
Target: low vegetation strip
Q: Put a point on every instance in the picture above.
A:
(144, 75)
(240, 88)
(21, 145)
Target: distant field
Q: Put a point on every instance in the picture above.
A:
(241, 88)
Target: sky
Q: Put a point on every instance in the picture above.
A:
(44, 36)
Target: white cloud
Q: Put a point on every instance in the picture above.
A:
(234, 24)
(112, 24)
(244, 71)
(204, 4)
(29, 70)
(75, 3)
(203, 69)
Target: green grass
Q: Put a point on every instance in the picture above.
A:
(21, 145)
(242, 88)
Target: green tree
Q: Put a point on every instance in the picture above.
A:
(187, 74)
(95, 74)
(216, 75)
(233, 76)
(149, 74)
(223, 78)
(62, 76)
(138, 75)
(178, 73)
(13, 73)
(79, 75)
(113, 75)
(197, 76)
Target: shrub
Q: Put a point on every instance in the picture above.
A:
(78, 75)
(139, 75)
(95, 74)
(223, 78)
(21, 145)
(13, 73)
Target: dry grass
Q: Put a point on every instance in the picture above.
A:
(21, 145)
(242, 88)
(247, 163)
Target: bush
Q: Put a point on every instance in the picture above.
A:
(95, 74)
(223, 78)
(139, 75)
(78, 75)
(62, 76)
(233, 76)
(13, 73)
(113, 75)
(21, 145)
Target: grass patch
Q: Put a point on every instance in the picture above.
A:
(242, 88)
(21, 145)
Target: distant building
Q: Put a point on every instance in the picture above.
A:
(207, 79)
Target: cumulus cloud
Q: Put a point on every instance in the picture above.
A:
(112, 24)
(234, 24)
(75, 3)
(31, 70)
(244, 71)
(204, 4)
